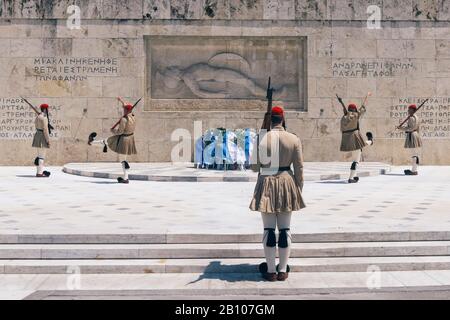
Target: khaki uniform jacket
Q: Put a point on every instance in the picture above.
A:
(123, 140)
(412, 130)
(351, 135)
(127, 125)
(41, 137)
(278, 191)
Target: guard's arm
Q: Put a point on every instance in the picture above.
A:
(344, 108)
(410, 125)
(121, 100)
(362, 111)
(46, 132)
(255, 165)
(298, 164)
(121, 128)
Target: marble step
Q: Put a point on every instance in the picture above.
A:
(218, 238)
(220, 251)
(215, 285)
(324, 293)
(222, 266)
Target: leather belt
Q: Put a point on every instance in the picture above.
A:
(278, 170)
(349, 131)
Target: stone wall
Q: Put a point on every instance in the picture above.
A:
(80, 72)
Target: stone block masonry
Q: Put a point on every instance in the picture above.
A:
(208, 60)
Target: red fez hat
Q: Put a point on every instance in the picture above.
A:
(44, 106)
(413, 106)
(129, 107)
(277, 111)
(352, 107)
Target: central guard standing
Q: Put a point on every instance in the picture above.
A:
(278, 191)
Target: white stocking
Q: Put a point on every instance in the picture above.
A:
(414, 159)
(41, 156)
(269, 221)
(101, 143)
(356, 157)
(284, 222)
(125, 171)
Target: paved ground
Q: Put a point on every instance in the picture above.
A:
(68, 204)
(314, 171)
(72, 205)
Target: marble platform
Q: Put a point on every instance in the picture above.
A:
(185, 172)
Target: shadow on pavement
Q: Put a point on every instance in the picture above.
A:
(26, 176)
(102, 182)
(230, 273)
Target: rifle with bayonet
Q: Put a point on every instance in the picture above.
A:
(409, 117)
(267, 116)
(32, 107)
(50, 127)
(342, 104)
(134, 105)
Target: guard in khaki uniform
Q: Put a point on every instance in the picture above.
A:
(352, 140)
(41, 139)
(413, 140)
(278, 191)
(122, 142)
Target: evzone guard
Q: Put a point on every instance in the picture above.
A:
(122, 141)
(278, 193)
(278, 190)
(352, 139)
(41, 138)
(413, 140)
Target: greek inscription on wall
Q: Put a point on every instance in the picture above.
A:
(372, 68)
(72, 69)
(434, 117)
(17, 120)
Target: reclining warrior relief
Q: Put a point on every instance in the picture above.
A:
(215, 80)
